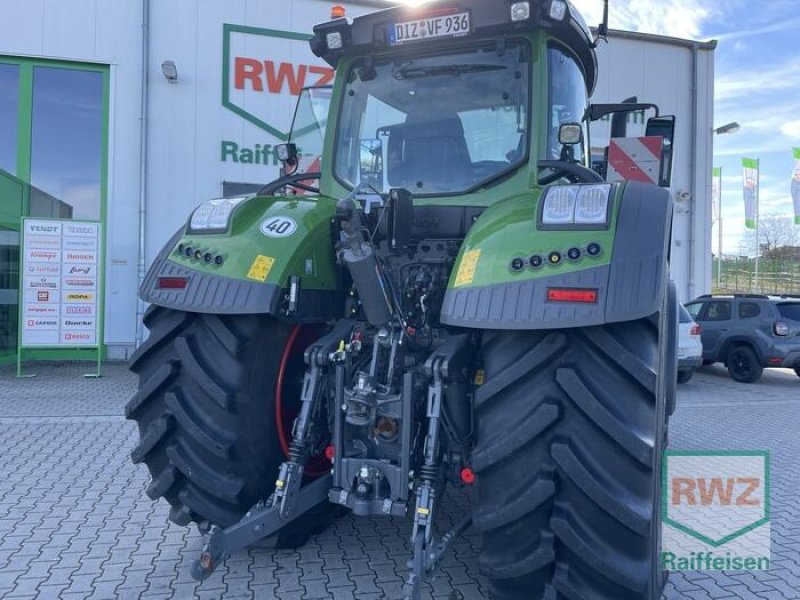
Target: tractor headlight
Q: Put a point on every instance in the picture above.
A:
(334, 40)
(558, 10)
(214, 215)
(577, 205)
(591, 207)
(520, 11)
(559, 205)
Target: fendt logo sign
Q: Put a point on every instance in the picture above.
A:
(264, 70)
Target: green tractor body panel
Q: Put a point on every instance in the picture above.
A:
(509, 230)
(249, 267)
(512, 274)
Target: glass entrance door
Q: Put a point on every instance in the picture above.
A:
(11, 191)
(53, 160)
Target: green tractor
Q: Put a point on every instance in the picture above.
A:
(439, 289)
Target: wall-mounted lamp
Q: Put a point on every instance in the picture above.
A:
(170, 71)
(729, 128)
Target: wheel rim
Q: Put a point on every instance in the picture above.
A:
(741, 366)
(287, 386)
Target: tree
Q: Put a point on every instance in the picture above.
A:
(778, 237)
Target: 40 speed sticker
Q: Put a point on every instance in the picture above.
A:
(278, 227)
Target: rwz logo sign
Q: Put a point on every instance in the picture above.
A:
(716, 510)
(263, 70)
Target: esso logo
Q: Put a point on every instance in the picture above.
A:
(278, 227)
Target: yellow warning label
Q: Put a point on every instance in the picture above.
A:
(480, 376)
(260, 268)
(466, 270)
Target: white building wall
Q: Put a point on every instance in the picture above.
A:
(187, 121)
(660, 70)
(109, 33)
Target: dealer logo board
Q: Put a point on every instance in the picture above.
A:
(60, 284)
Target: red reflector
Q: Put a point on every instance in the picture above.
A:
(329, 453)
(572, 295)
(775, 361)
(695, 330)
(467, 475)
(171, 283)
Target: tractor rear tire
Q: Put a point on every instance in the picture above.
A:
(570, 427)
(206, 413)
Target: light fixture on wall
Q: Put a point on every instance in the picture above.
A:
(729, 128)
(170, 71)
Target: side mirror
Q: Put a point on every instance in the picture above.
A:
(570, 134)
(370, 161)
(287, 154)
(663, 127)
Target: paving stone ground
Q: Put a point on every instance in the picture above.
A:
(75, 522)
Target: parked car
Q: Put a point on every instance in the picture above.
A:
(690, 348)
(749, 332)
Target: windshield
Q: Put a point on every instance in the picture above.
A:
(308, 127)
(436, 124)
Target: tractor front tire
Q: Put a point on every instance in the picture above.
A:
(570, 426)
(206, 413)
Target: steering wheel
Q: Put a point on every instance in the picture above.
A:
(295, 180)
(574, 172)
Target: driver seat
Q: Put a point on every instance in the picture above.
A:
(432, 153)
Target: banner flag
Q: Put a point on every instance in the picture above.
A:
(716, 192)
(796, 186)
(750, 166)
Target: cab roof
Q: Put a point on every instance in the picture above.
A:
(372, 33)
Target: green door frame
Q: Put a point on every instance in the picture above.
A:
(23, 171)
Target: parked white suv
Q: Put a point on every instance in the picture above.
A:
(690, 348)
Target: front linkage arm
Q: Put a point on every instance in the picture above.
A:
(289, 500)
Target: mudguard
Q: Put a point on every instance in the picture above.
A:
(485, 291)
(247, 269)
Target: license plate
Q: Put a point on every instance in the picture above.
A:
(425, 28)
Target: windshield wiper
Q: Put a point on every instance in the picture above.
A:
(409, 72)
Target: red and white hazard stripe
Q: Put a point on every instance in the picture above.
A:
(635, 159)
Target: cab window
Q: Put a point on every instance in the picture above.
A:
(568, 99)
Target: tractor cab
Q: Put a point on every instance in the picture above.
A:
(468, 101)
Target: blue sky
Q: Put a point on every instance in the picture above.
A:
(757, 83)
